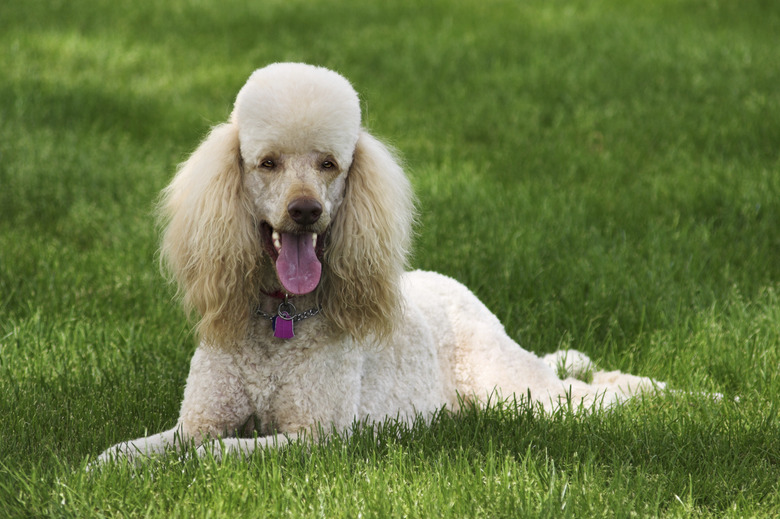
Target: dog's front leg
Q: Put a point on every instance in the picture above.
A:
(142, 448)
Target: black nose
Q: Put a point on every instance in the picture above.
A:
(304, 211)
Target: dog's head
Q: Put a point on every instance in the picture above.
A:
(290, 195)
(297, 127)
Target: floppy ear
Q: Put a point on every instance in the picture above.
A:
(210, 244)
(369, 244)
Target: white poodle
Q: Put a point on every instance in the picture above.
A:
(287, 233)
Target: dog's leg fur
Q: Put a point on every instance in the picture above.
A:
(141, 448)
(486, 360)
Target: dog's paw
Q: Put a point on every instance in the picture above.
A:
(212, 449)
(570, 363)
(119, 453)
(218, 449)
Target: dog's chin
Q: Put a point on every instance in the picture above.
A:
(296, 256)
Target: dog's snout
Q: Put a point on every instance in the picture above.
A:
(304, 211)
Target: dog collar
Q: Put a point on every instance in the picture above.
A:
(276, 295)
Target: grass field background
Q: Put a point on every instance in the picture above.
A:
(604, 174)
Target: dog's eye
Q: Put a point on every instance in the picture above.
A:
(268, 164)
(328, 165)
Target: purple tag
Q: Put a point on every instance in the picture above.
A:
(283, 326)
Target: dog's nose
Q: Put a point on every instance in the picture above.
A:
(304, 211)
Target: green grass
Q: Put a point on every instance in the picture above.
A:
(605, 174)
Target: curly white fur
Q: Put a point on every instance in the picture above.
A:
(387, 343)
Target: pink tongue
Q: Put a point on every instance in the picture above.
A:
(298, 268)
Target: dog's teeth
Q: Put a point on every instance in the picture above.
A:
(314, 238)
(277, 241)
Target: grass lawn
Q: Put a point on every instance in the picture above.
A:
(605, 174)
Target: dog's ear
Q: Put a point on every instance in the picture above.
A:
(210, 244)
(369, 244)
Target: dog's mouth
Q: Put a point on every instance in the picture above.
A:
(297, 257)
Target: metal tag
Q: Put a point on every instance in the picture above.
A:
(283, 326)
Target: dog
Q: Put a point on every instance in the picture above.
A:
(287, 232)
